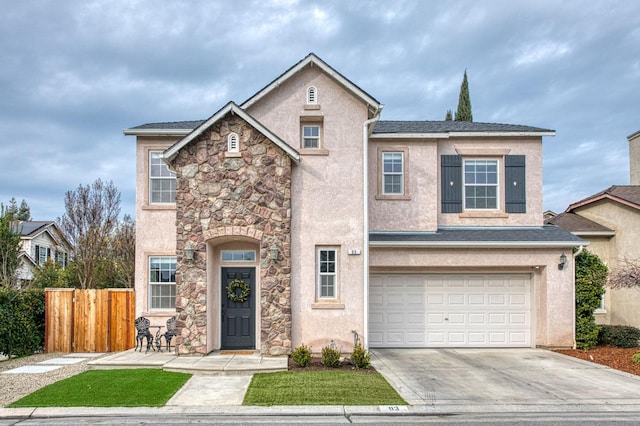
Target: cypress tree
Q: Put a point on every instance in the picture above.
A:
(449, 116)
(464, 101)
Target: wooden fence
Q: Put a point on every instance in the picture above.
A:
(89, 320)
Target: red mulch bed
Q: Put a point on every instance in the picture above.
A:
(316, 364)
(618, 358)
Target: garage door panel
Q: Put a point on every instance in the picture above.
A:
(440, 310)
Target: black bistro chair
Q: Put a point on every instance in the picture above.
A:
(171, 331)
(142, 327)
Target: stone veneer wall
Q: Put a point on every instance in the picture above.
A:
(248, 195)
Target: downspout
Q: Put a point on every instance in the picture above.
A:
(573, 283)
(365, 211)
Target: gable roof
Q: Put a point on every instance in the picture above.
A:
(484, 237)
(445, 129)
(31, 229)
(579, 225)
(628, 195)
(312, 60)
(171, 152)
(173, 128)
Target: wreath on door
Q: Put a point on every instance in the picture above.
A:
(234, 295)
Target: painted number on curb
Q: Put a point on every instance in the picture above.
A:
(393, 408)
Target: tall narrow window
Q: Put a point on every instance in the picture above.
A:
(233, 144)
(312, 95)
(162, 282)
(42, 254)
(327, 273)
(162, 181)
(392, 173)
(481, 184)
(311, 136)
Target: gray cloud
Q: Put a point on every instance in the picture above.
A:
(75, 74)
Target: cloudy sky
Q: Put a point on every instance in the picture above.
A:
(74, 74)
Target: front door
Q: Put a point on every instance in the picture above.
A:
(238, 308)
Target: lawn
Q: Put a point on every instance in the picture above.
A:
(326, 387)
(108, 388)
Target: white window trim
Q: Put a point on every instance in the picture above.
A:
(401, 174)
(312, 95)
(320, 274)
(233, 142)
(316, 138)
(152, 178)
(499, 173)
(151, 284)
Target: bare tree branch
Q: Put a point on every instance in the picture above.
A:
(626, 275)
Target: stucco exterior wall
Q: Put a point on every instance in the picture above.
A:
(155, 228)
(416, 209)
(327, 204)
(553, 289)
(531, 147)
(621, 306)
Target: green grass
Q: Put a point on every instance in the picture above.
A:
(323, 387)
(108, 388)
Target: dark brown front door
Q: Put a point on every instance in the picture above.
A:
(238, 312)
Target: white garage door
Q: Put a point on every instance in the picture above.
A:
(430, 310)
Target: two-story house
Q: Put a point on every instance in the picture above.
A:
(298, 216)
(41, 241)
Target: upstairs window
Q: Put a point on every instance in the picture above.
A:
(392, 173)
(312, 95)
(481, 184)
(162, 181)
(42, 255)
(311, 136)
(233, 144)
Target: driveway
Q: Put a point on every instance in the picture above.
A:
(472, 380)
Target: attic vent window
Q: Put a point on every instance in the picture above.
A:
(312, 95)
(233, 144)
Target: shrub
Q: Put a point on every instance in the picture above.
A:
(22, 320)
(360, 357)
(591, 274)
(621, 336)
(586, 333)
(301, 356)
(330, 357)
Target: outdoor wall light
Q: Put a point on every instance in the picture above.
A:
(189, 251)
(273, 252)
(563, 261)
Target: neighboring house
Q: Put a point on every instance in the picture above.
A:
(610, 220)
(298, 217)
(41, 241)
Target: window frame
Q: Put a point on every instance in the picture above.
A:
(497, 185)
(312, 95)
(320, 285)
(233, 142)
(386, 174)
(236, 252)
(157, 155)
(169, 284)
(304, 137)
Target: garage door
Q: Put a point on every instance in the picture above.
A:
(473, 310)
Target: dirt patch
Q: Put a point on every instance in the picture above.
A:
(316, 365)
(617, 358)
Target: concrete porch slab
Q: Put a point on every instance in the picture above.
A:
(32, 369)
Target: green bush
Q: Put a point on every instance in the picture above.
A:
(591, 274)
(636, 358)
(360, 357)
(621, 336)
(22, 321)
(301, 356)
(330, 357)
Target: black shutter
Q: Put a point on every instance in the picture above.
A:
(451, 183)
(515, 184)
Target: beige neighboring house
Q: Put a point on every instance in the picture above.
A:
(299, 216)
(610, 221)
(41, 241)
